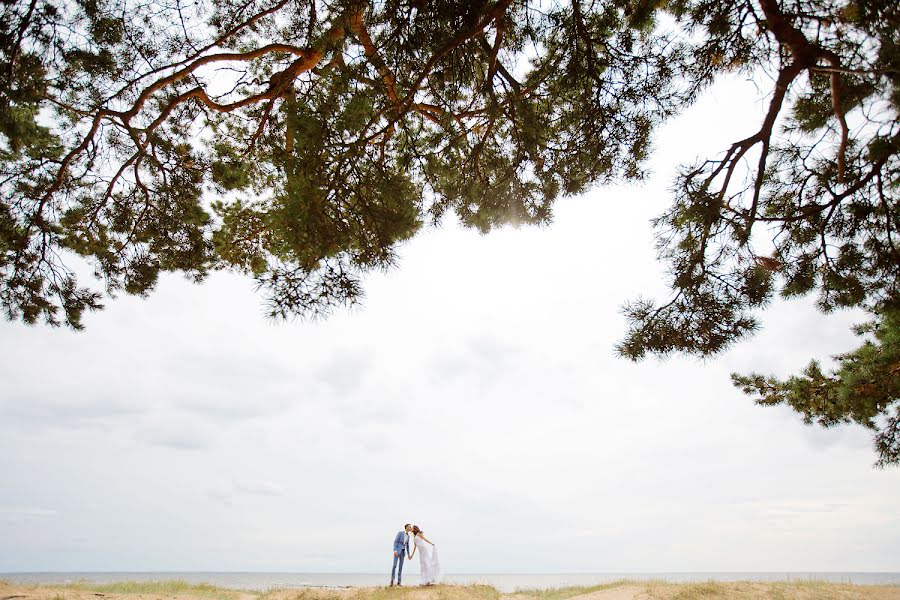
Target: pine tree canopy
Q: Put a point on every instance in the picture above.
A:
(300, 141)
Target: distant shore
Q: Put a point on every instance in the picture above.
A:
(618, 590)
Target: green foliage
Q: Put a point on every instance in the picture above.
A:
(864, 388)
(302, 142)
(348, 126)
(817, 182)
(25, 137)
(229, 169)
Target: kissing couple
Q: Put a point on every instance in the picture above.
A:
(429, 565)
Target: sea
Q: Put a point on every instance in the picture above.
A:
(505, 582)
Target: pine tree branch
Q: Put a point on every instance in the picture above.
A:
(846, 71)
(839, 113)
(278, 83)
(371, 52)
(807, 54)
(500, 27)
(495, 12)
(305, 54)
(215, 43)
(20, 35)
(259, 128)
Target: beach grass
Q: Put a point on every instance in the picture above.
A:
(622, 589)
(170, 587)
(564, 593)
(433, 592)
(775, 590)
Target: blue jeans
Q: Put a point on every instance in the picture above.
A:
(400, 556)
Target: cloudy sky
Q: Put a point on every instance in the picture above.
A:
(475, 392)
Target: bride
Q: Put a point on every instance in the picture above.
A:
(429, 565)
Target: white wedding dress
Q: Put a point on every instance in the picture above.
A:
(429, 565)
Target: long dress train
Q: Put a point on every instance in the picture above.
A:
(429, 565)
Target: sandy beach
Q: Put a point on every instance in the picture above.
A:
(623, 590)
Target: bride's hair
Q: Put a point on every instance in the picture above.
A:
(416, 530)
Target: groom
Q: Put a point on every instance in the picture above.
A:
(401, 548)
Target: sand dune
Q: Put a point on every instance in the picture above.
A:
(625, 590)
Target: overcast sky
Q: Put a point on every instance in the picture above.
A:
(475, 392)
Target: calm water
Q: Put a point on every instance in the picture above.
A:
(505, 582)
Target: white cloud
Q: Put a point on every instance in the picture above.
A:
(174, 436)
(18, 514)
(259, 487)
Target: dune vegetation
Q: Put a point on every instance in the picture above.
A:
(618, 590)
(170, 587)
